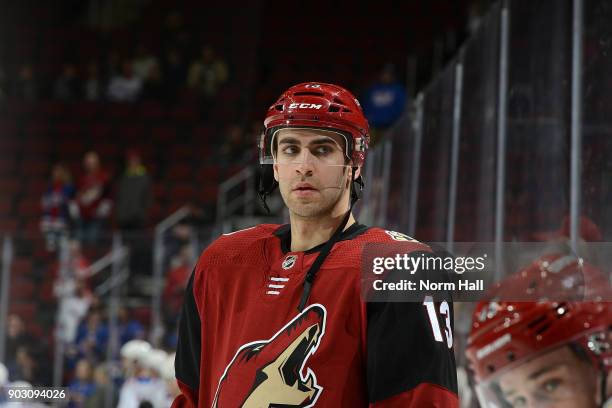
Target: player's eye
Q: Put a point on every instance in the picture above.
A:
(323, 150)
(551, 385)
(518, 402)
(290, 150)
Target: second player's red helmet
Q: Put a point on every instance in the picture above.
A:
(319, 105)
(536, 310)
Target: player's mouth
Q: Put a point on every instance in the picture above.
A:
(304, 189)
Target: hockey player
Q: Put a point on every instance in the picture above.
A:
(553, 353)
(142, 383)
(273, 315)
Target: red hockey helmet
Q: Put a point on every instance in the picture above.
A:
(507, 331)
(322, 106)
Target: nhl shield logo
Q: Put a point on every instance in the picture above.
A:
(289, 262)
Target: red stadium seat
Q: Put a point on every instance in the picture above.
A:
(21, 266)
(69, 129)
(6, 208)
(9, 186)
(84, 110)
(151, 110)
(35, 129)
(119, 110)
(22, 289)
(180, 172)
(100, 131)
(142, 314)
(39, 146)
(16, 107)
(208, 193)
(34, 188)
(74, 147)
(163, 134)
(202, 133)
(131, 132)
(156, 213)
(208, 174)
(182, 193)
(185, 113)
(7, 165)
(159, 192)
(8, 225)
(8, 128)
(51, 108)
(179, 152)
(29, 208)
(27, 311)
(31, 228)
(34, 168)
(107, 151)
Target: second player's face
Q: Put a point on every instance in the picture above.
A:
(556, 379)
(311, 170)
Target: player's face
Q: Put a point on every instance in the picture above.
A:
(556, 379)
(311, 170)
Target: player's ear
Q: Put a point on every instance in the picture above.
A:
(275, 167)
(356, 172)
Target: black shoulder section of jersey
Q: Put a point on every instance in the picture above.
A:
(284, 234)
(187, 360)
(402, 348)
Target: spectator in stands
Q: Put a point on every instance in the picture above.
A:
(75, 299)
(92, 337)
(175, 34)
(24, 366)
(125, 87)
(16, 336)
(384, 102)
(103, 389)
(176, 282)
(135, 194)
(93, 203)
(82, 387)
(25, 86)
(174, 71)
(68, 85)
(55, 202)
(129, 328)
(143, 62)
(178, 236)
(93, 83)
(207, 73)
(235, 148)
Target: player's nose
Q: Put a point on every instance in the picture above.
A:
(305, 162)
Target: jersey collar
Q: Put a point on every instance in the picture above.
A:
(284, 234)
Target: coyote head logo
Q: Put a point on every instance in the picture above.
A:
(270, 373)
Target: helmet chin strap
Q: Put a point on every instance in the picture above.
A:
(314, 268)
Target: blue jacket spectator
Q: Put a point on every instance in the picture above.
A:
(55, 206)
(384, 102)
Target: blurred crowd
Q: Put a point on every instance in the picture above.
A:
(142, 377)
(142, 76)
(83, 210)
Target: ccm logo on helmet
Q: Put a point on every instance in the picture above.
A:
(305, 106)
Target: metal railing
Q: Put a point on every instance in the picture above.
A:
(159, 252)
(226, 205)
(7, 261)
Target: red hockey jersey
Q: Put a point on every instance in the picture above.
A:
(243, 343)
